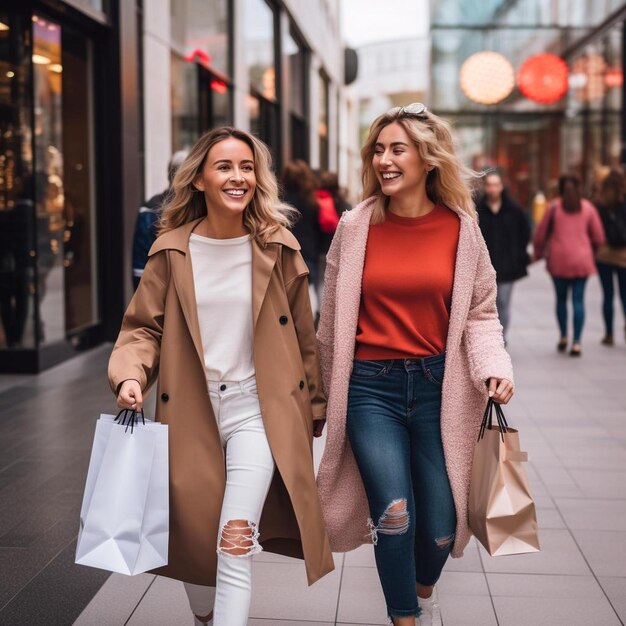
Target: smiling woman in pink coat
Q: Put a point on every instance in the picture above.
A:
(411, 347)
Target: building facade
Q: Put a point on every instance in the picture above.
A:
(275, 69)
(95, 96)
(581, 133)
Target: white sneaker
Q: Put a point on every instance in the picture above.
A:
(431, 615)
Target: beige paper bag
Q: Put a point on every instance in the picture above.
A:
(502, 512)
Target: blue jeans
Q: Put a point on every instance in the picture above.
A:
(562, 287)
(607, 272)
(393, 426)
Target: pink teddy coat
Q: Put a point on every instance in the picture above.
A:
(474, 353)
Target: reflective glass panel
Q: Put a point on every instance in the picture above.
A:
(17, 245)
(258, 24)
(64, 183)
(200, 32)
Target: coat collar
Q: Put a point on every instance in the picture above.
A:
(264, 257)
(353, 244)
(178, 239)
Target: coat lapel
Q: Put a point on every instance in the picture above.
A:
(182, 272)
(350, 277)
(464, 274)
(263, 262)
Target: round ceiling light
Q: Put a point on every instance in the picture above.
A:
(487, 77)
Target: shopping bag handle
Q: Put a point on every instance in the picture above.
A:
(488, 419)
(126, 420)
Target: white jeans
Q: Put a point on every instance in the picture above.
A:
(249, 472)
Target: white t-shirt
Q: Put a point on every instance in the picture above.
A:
(222, 274)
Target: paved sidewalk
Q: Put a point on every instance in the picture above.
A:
(572, 418)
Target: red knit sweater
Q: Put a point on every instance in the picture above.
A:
(407, 286)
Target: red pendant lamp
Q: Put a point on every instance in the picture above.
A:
(543, 78)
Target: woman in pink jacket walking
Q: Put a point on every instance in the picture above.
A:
(411, 347)
(567, 237)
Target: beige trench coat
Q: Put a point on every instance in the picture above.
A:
(160, 335)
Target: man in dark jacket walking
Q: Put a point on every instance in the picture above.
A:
(506, 230)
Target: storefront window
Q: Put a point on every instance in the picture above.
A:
(64, 183)
(259, 47)
(17, 245)
(185, 122)
(201, 87)
(200, 31)
(297, 71)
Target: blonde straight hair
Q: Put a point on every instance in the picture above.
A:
(449, 182)
(262, 216)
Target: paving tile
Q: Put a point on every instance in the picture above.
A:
(361, 557)
(469, 562)
(281, 622)
(559, 555)
(462, 583)
(549, 518)
(615, 589)
(469, 611)
(592, 514)
(608, 484)
(117, 599)
(297, 601)
(38, 601)
(361, 600)
(605, 551)
(554, 612)
(165, 602)
(20, 565)
(544, 586)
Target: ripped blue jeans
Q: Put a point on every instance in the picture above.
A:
(394, 429)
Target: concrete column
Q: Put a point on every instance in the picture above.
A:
(157, 95)
(314, 111)
(333, 127)
(240, 71)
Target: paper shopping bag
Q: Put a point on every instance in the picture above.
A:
(124, 519)
(502, 512)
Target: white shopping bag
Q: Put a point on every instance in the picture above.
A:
(124, 519)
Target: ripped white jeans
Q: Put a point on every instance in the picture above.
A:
(249, 472)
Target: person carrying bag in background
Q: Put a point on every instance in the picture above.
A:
(222, 314)
(568, 237)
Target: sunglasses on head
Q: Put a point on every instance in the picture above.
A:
(416, 110)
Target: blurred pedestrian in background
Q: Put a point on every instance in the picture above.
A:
(611, 259)
(506, 230)
(328, 189)
(568, 237)
(407, 366)
(299, 187)
(222, 315)
(147, 220)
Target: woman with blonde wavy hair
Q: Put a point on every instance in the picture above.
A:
(411, 348)
(222, 315)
